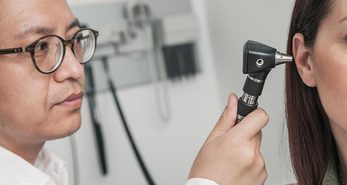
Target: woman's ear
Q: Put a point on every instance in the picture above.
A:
(303, 60)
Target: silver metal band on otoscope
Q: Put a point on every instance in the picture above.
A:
(239, 119)
(249, 99)
(254, 79)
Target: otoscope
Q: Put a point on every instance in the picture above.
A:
(258, 60)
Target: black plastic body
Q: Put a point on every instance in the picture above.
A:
(255, 88)
(244, 109)
(252, 52)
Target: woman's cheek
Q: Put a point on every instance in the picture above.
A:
(331, 80)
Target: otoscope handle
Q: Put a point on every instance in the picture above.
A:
(246, 105)
(252, 90)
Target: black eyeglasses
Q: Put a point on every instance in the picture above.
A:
(47, 53)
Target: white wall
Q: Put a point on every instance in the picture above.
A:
(168, 149)
(231, 24)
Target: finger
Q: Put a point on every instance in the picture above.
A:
(252, 124)
(257, 139)
(227, 119)
(261, 163)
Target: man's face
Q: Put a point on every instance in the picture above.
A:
(36, 107)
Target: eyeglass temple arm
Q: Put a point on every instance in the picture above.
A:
(12, 50)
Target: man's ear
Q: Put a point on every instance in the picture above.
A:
(303, 60)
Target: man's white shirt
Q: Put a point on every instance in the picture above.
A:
(47, 170)
(199, 181)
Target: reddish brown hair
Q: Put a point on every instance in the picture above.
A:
(310, 139)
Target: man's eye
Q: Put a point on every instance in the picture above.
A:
(79, 38)
(41, 46)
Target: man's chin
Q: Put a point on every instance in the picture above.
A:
(71, 131)
(66, 128)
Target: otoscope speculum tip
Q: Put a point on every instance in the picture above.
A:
(282, 58)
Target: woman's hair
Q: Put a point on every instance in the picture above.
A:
(310, 138)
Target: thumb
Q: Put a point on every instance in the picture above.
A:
(227, 119)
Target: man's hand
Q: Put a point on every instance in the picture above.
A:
(231, 155)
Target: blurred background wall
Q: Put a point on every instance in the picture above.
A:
(195, 101)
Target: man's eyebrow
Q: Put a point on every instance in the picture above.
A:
(73, 24)
(34, 30)
(43, 30)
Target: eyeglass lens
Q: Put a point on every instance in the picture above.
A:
(50, 50)
(84, 46)
(48, 53)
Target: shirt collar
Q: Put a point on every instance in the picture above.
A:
(53, 166)
(331, 177)
(48, 169)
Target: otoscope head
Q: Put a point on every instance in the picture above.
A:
(258, 57)
(258, 60)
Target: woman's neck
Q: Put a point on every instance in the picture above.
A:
(340, 136)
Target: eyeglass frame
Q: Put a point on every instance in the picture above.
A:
(31, 48)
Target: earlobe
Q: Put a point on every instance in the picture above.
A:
(303, 60)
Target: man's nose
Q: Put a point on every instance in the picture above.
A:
(70, 68)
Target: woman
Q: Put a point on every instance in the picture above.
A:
(316, 88)
(315, 113)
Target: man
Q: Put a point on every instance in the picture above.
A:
(36, 107)
(42, 52)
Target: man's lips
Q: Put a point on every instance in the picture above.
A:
(73, 101)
